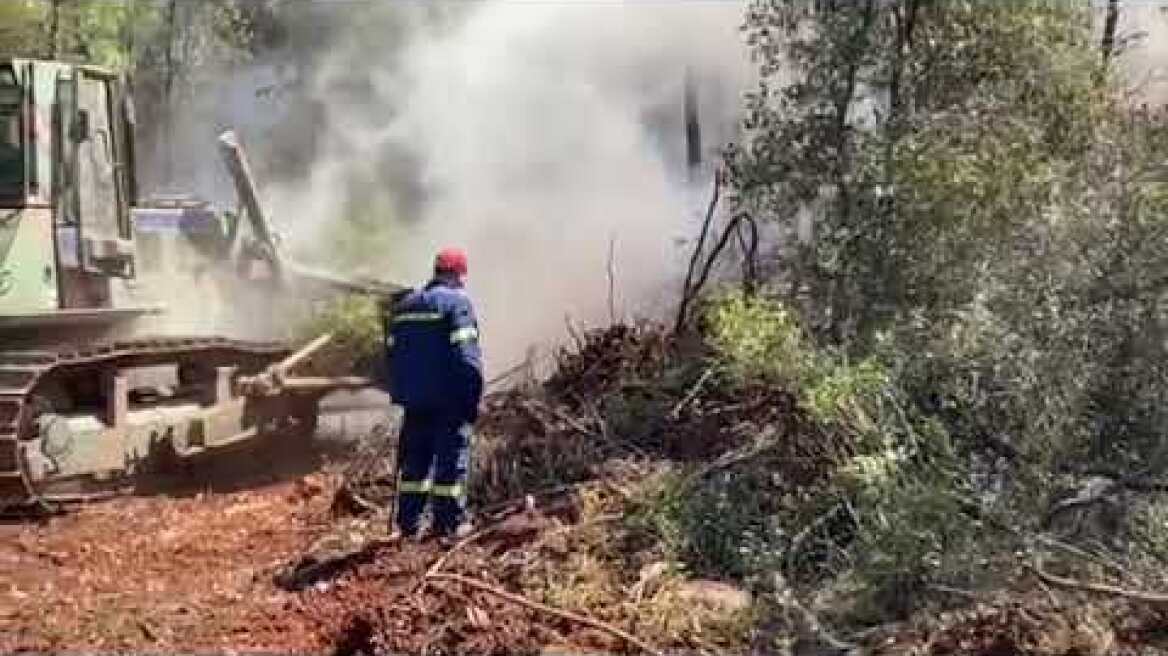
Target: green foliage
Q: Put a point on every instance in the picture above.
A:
(161, 42)
(911, 533)
(757, 338)
(1148, 528)
(844, 387)
(726, 527)
(104, 33)
(20, 28)
(987, 243)
(354, 320)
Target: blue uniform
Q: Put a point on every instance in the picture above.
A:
(435, 374)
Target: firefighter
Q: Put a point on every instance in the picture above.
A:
(435, 374)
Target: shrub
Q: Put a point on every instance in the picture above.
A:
(754, 338)
(726, 527)
(844, 389)
(357, 345)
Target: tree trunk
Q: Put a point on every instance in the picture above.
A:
(80, 46)
(167, 90)
(693, 134)
(858, 44)
(1109, 26)
(128, 33)
(905, 18)
(54, 28)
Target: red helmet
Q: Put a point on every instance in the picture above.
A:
(451, 260)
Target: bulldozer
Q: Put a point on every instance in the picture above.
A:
(114, 354)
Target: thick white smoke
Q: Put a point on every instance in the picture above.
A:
(1143, 26)
(542, 133)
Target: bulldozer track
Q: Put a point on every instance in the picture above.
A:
(23, 371)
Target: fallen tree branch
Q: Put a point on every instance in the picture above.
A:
(346, 493)
(1086, 555)
(573, 332)
(535, 605)
(1098, 588)
(958, 592)
(732, 458)
(693, 392)
(569, 420)
(567, 528)
(1093, 491)
(445, 557)
(786, 598)
(545, 492)
(532, 409)
(801, 536)
(1102, 488)
(601, 424)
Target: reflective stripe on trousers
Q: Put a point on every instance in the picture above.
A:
(415, 487)
(437, 444)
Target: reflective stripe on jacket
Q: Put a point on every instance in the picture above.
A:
(436, 363)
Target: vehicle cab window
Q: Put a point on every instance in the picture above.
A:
(11, 138)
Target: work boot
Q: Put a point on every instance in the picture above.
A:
(398, 534)
(460, 533)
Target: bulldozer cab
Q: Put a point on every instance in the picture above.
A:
(76, 245)
(66, 186)
(95, 168)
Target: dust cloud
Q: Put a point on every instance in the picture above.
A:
(1145, 55)
(540, 136)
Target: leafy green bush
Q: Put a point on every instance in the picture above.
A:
(726, 527)
(755, 338)
(988, 243)
(844, 388)
(357, 345)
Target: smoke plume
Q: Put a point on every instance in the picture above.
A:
(1143, 30)
(540, 136)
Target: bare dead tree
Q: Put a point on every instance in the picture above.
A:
(1107, 47)
(748, 238)
(686, 290)
(168, 75)
(611, 279)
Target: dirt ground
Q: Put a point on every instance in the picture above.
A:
(194, 572)
(190, 566)
(191, 573)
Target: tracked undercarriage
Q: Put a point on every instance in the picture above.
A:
(88, 415)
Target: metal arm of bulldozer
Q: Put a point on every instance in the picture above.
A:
(283, 268)
(276, 377)
(245, 188)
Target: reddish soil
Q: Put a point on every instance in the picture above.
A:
(196, 574)
(191, 573)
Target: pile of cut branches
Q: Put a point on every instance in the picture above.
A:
(599, 361)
